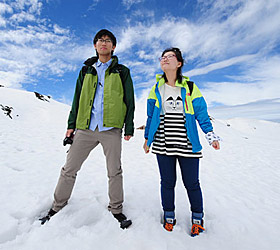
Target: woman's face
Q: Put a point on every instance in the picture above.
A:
(169, 62)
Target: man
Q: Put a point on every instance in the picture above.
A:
(103, 103)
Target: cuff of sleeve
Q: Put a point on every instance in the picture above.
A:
(129, 131)
(211, 137)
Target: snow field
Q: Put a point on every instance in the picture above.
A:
(240, 184)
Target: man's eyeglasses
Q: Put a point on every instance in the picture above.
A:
(106, 41)
(166, 57)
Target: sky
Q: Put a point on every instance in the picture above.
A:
(231, 48)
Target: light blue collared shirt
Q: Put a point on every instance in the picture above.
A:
(97, 107)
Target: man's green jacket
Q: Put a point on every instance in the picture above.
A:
(118, 100)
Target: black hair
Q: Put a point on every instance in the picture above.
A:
(102, 33)
(179, 57)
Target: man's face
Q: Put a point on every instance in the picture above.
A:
(104, 46)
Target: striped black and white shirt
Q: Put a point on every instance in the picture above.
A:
(171, 136)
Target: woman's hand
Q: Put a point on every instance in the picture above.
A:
(213, 140)
(216, 145)
(145, 147)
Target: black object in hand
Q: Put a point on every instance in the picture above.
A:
(67, 140)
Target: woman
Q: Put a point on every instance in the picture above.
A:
(174, 105)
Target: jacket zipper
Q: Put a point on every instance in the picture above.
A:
(186, 104)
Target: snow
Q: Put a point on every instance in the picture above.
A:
(240, 184)
(264, 109)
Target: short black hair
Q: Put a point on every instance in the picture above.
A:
(105, 32)
(179, 57)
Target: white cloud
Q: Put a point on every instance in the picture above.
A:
(58, 30)
(65, 100)
(129, 3)
(23, 10)
(5, 8)
(38, 48)
(23, 17)
(239, 33)
(93, 5)
(234, 93)
(2, 22)
(246, 29)
(267, 68)
(12, 80)
(143, 55)
(259, 81)
(143, 13)
(219, 65)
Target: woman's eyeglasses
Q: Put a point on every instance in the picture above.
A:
(162, 58)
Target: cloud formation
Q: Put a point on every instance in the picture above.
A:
(227, 33)
(238, 40)
(32, 46)
(129, 3)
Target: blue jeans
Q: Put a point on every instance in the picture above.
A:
(190, 173)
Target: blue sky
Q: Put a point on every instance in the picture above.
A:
(231, 48)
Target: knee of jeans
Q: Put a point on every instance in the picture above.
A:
(168, 183)
(192, 186)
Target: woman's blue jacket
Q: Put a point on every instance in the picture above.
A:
(195, 110)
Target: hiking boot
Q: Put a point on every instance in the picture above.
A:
(197, 227)
(169, 223)
(169, 220)
(124, 222)
(47, 217)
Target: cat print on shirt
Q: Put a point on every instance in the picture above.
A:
(172, 105)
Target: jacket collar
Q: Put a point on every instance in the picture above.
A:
(99, 63)
(161, 81)
(92, 60)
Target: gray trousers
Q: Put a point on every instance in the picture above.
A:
(85, 141)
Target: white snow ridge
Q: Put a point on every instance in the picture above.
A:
(240, 184)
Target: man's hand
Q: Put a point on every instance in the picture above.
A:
(127, 137)
(69, 132)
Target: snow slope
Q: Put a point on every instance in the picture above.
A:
(265, 110)
(240, 183)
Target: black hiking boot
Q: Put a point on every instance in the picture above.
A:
(47, 217)
(124, 223)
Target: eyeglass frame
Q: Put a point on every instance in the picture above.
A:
(166, 57)
(106, 40)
